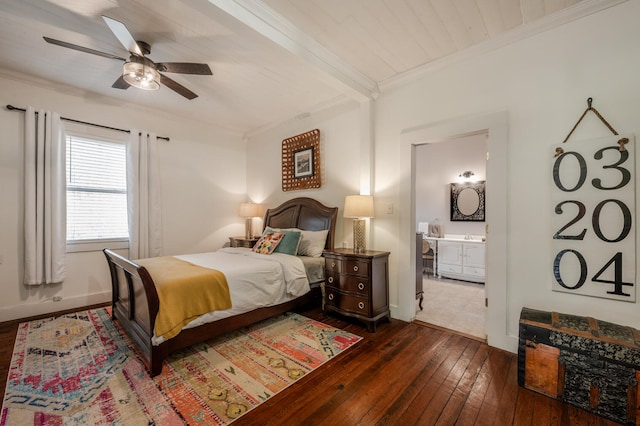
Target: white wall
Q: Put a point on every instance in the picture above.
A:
(439, 164)
(339, 146)
(203, 180)
(542, 84)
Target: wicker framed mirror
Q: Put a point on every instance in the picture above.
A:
(301, 165)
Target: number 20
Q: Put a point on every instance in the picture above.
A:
(595, 221)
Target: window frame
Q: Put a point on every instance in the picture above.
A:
(104, 135)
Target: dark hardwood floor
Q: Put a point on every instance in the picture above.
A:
(404, 374)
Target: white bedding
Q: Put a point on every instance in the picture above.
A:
(255, 280)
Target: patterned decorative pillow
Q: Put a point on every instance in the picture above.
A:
(268, 243)
(289, 244)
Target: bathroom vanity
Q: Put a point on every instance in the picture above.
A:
(461, 257)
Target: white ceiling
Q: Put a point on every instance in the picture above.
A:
(272, 60)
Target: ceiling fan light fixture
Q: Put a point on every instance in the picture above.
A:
(141, 76)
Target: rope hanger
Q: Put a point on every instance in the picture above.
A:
(621, 141)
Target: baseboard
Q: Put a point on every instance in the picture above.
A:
(395, 313)
(17, 312)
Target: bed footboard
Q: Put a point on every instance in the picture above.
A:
(135, 304)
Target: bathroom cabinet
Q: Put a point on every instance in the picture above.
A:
(463, 260)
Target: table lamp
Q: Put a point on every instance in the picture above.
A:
(359, 207)
(249, 211)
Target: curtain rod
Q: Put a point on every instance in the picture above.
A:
(12, 108)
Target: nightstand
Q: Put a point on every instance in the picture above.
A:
(357, 284)
(243, 241)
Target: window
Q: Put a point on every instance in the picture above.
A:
(96, 192)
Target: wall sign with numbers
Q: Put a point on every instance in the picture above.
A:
(593, 218)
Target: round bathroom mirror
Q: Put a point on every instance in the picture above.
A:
(468, 201)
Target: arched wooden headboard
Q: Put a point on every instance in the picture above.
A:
(304, 213)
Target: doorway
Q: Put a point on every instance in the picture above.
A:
(495, 123)
(451, 301)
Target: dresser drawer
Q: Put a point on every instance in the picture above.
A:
(332, 264)
(347, 266)
(346, 302)
(356, 267)
(348, 283)
(242, 242)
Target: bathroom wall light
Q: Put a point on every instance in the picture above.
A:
(468, 175)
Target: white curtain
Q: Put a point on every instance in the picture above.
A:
(143, 196)
(44, 198)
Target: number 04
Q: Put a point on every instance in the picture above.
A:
(616, 261)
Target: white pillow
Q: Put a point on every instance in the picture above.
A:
(312, 243)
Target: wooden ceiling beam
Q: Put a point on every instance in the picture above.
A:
(267, 22)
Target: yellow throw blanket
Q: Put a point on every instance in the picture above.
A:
(186, 291)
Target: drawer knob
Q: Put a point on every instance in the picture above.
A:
(361, 305)
(360, 286)
(330, 296)
(355, 269)
(330, 279)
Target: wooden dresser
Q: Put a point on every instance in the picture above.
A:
(357, 284)
(243, 241)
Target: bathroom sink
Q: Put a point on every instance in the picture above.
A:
(462, 237)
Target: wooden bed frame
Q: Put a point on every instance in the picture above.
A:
(135, 300)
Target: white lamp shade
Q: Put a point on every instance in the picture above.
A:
(358, 206)
(250, 210)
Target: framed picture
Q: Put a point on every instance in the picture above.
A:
(301, 166)
(303, 163)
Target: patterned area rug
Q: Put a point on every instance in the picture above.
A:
(81, 369)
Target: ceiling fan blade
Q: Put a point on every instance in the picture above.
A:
(123, 35)
(184, 68)
(120, 84)
(82, 49)
(177, 87)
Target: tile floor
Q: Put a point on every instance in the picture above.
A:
(452, 304)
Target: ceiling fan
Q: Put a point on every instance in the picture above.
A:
(140, 71)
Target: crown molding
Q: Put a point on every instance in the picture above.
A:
(337, 102)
